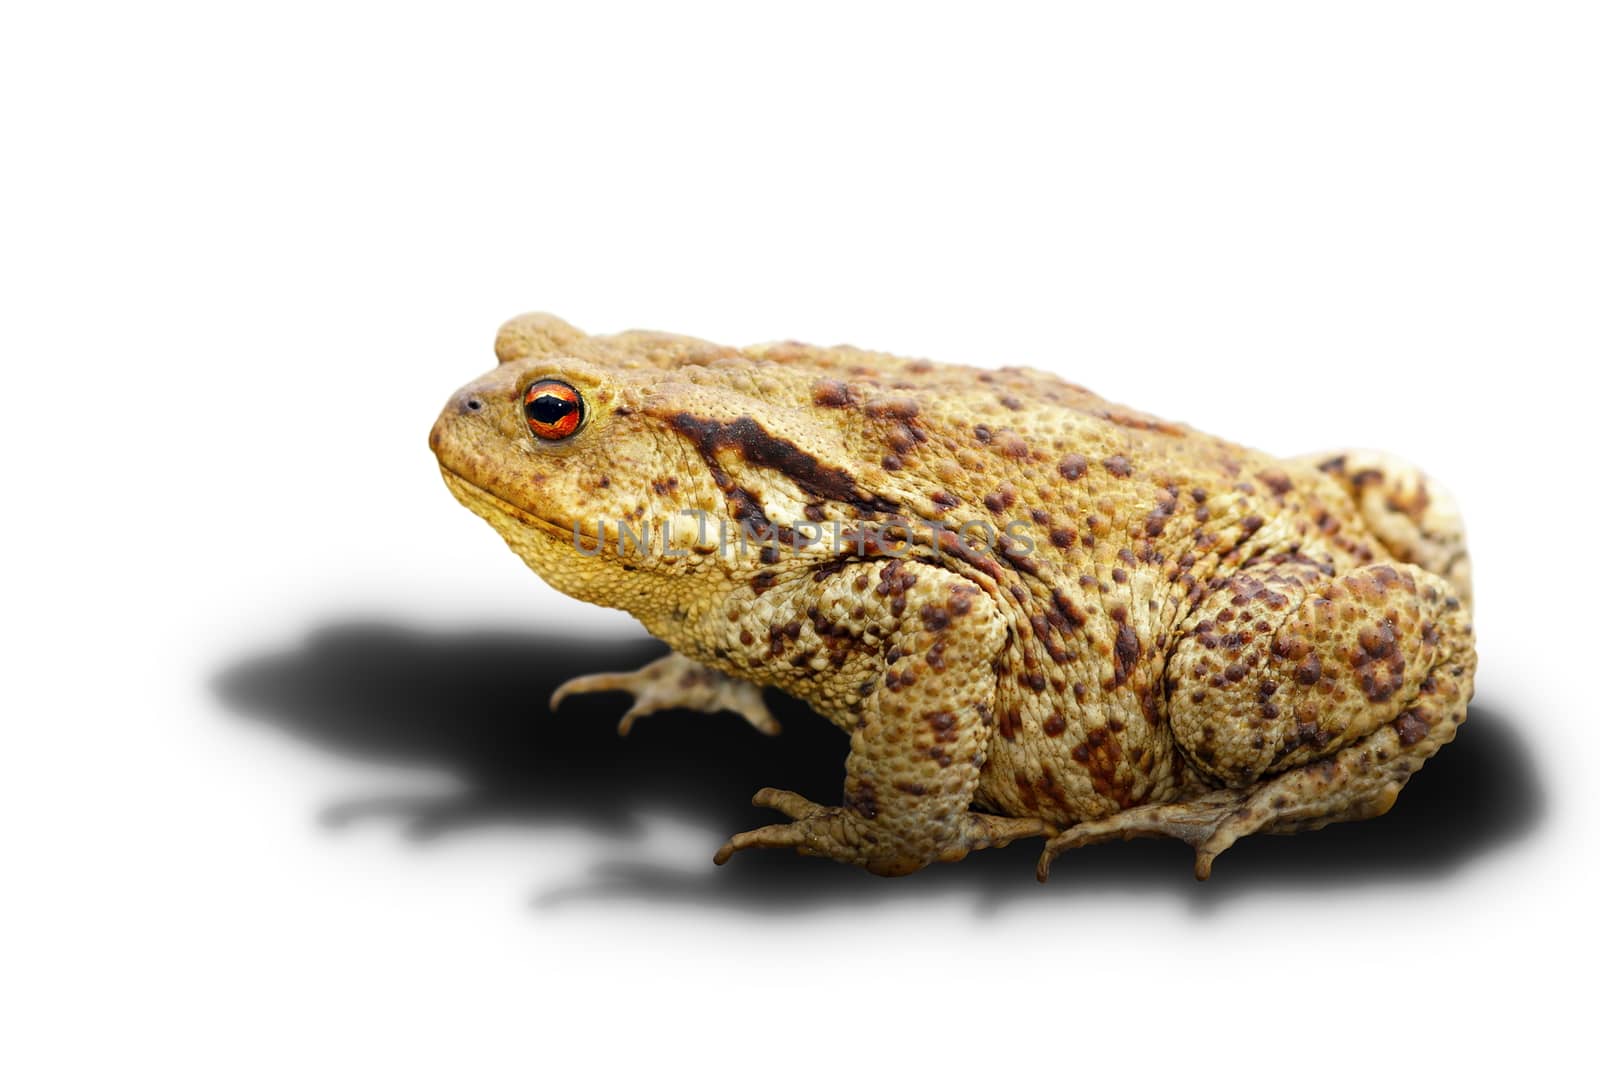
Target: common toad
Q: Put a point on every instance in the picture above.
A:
(1036, 612)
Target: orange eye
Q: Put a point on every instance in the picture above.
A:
(554, 409)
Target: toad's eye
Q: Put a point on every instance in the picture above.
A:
(554, 409)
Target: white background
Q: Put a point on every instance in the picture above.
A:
(247, 256)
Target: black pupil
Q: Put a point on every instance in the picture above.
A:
(550, 409)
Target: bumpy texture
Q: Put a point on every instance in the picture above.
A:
(1037, 613)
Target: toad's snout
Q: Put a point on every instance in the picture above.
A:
(467, 403)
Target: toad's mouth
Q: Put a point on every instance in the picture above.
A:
(488, 506)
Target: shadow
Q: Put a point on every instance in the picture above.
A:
(472, 703)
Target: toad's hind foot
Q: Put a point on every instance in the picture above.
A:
(675, 681)
(846, 835)
(1359, 782)
(1193, 822)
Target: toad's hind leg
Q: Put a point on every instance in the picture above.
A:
(1309, 699)
(1411, 514)
(1360, 782)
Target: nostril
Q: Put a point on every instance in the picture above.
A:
(474, 404)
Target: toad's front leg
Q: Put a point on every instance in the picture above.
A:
(920, 735)
(674, 681)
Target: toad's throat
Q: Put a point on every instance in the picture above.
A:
(486, 505)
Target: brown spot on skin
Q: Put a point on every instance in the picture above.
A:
(1030, 800)
(1126, 652)
(1012, 445)
(1019, 556)
(983, 434)
(1378, 661)
(892, 407)
(1072, 466)
(1071, 615)
(830, 393)
(1101, 754)
(914, 789)
(1410, 727)
(1413, 505)
(1008, 721)
(1002, 498)
(901, 438)
(944, 500)
(863, 799)
(1051, 788)
(943, 724)
(1156, 521)
(935, 617)
(1310, 670)
(823, 571)
(1118, 465)
(893, 463)
(958, 547)
(1055, 725)
(1276, 481)
(960, 599)
(1063, 536)
(1135, 421)
(893, 582)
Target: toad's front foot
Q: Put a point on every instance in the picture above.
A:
(675, 681)
(850, 837)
